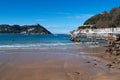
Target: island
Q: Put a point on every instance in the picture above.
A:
(25, 29)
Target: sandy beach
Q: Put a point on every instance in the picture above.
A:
(56, 64)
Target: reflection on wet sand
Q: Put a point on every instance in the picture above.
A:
(55, 64)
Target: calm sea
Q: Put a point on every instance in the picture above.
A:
(10, 41)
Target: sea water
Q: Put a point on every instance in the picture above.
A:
(45, 41)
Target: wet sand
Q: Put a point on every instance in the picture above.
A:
(55, 64)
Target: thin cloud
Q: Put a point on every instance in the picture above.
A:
(81, 16)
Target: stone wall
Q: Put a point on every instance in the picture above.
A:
(101, 30)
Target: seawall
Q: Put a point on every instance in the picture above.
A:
(103, 33)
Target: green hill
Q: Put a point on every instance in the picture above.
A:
(109, 19)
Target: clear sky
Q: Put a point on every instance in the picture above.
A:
(58, 16)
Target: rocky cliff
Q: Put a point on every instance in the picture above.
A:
(26, 29)
(114, 48)
(105, 23)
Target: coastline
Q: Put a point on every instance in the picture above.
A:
(56, 64)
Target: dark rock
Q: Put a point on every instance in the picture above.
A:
(114, 62)
(77, 73)
(109, 65)
(95, 64)
(75, 40)
(118, 62)
(88, 62)
(94, 60)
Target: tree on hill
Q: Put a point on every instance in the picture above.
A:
(109, 19)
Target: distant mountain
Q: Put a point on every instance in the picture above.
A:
(109, 19)
(26, 29)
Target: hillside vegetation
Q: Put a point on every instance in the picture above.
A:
(109, 19)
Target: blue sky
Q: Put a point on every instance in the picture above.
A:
(58, 16)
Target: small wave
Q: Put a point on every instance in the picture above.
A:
(41, 45)
(46, 45)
